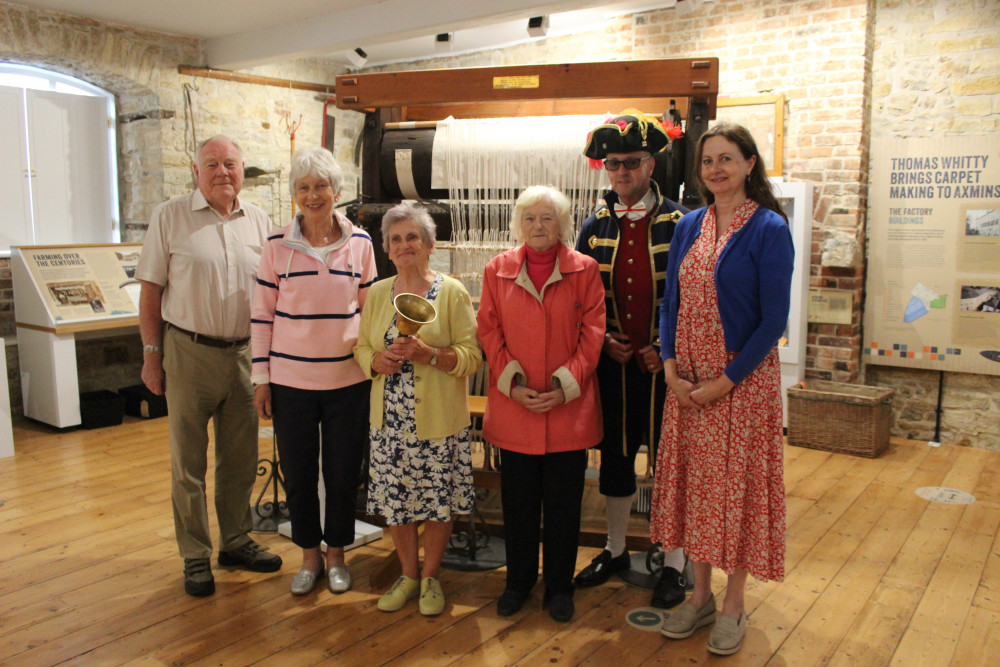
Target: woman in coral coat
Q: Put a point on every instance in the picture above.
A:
(541, 324)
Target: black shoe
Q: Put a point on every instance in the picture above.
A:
(560, 606)
(669, 589)
(601, 568)
(251, 556)
(510, 602)
(198, 579)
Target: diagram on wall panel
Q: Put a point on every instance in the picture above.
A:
(933, 289)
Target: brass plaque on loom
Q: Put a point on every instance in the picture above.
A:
(508, 82)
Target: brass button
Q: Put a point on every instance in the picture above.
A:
(631, 242)
(631, 261)
(629, 316)
(629, 297)
(416, 400)
(629, 281)
(631, 225)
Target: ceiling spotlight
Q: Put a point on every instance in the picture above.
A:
(538, 26)
(443, 40)
(357, 57)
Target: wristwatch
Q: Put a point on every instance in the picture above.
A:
(434, 357)
(150, 349)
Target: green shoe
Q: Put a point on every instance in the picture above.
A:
(431, 597)
(403, 590)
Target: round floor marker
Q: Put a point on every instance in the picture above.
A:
(942, 494)
(645, 618)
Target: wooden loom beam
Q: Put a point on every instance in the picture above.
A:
(505, 89)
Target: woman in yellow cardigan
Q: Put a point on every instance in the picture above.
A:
(421, 463)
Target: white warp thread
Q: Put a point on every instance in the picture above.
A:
(485, 164)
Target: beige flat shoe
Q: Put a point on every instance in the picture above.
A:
(683, 622)
(727, 635)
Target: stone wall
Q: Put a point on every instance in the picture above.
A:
(141, 69)
(937, 73)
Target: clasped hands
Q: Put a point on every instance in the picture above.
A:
(696, 394)
(403, 348)
(538, 401)
(618, 347)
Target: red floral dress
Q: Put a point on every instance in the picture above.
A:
(719, 490)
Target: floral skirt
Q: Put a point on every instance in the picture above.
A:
(411, 479)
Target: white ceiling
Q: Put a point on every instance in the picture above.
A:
(244, 33)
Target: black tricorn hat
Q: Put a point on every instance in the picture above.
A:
(626, 133)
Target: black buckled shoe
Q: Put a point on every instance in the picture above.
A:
(669, 590)
(510, 602)
(601, 569)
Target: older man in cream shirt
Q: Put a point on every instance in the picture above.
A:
(198, 270)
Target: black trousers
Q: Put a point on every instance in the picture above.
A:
(629, 423)
(333, 422)
(532, 486)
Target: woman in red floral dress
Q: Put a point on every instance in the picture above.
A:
(719, 491)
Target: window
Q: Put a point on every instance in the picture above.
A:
(58, 179)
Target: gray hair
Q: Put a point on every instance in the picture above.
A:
(534, 194)
(318, 162)
(407, 211)
(218, 137)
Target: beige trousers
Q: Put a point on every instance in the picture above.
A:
(204, 383)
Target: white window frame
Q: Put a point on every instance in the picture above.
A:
(35, 78)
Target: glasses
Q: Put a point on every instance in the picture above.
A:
(630, 163)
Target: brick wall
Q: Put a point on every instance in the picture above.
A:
(818, 55)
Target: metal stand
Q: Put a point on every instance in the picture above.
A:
(475, 549)
(267, 514)
(645, 569)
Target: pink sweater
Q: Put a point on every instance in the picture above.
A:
(305, 316)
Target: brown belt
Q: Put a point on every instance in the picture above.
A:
(208, 340)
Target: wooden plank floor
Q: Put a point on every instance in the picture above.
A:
(89, 575)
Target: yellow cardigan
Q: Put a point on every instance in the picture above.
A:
(442, 399)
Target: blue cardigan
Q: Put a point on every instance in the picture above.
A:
(753, 278)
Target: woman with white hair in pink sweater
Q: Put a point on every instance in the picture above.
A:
(312, 281)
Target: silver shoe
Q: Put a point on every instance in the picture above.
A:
(305, 581)
(339, 579)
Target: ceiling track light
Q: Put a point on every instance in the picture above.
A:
(538, 26)
(357, 57)
(443, 40)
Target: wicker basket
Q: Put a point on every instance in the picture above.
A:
(838, 417)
